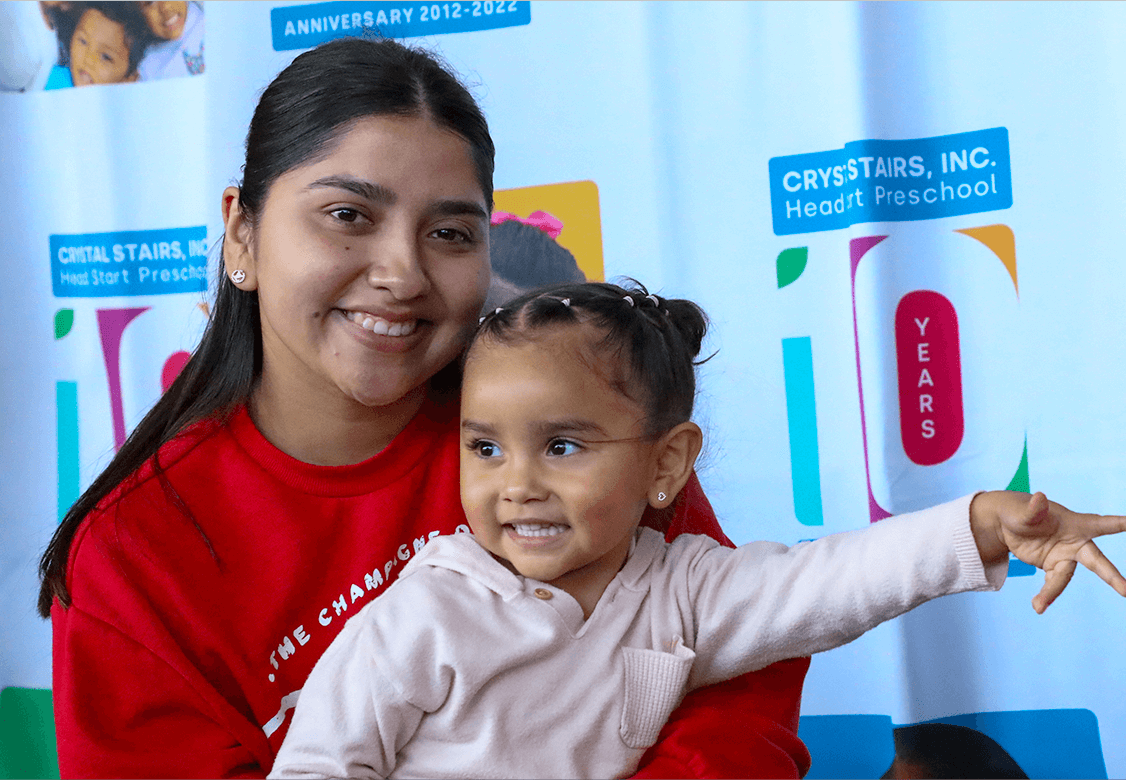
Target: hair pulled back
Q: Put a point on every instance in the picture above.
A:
(300, 116)
(651, 342)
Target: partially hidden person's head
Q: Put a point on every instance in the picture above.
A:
(165, 18)
(947, 750)
(107, 42)
(576, 416)
(355, 257)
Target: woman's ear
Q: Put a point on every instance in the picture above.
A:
(675, 457)
(238, 245)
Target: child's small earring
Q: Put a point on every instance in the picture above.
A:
(238, 276)
(661, 496)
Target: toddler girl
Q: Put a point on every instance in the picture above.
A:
(556, 639)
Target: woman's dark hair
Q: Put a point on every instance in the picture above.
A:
(299, 118)
(646, 346)
(138, 36)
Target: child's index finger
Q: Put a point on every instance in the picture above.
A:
(1093, 558)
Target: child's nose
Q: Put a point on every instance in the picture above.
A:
(523, 482)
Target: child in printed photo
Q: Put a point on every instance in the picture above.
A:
(557, 637)
(178, 49)
(99, 43)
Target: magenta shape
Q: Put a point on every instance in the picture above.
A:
(111, 325)
(857, 248)
(172, 368)
(929, 368)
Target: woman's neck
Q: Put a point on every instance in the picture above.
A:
(342, 435)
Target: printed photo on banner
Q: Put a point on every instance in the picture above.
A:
(56, 44)
(543, 235)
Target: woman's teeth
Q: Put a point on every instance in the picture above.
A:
(382, 326)
(537, 529)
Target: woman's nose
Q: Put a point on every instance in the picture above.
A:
(398, 266)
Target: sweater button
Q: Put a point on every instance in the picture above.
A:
(542, 593)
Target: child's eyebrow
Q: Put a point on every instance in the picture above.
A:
(572, 426)
(545, 429)
(481, 429)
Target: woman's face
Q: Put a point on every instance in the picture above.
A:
(99, 53)
(166, 18)
(371, 264)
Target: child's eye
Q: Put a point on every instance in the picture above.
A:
(485, 449)
(562, 447)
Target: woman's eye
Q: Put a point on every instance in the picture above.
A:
(346, 215)
(562, 447)
(451, 234)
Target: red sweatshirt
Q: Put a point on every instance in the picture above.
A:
(203, 595)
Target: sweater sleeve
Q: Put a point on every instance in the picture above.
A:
(351, 719)
(123, 711)
(745, 727)
(763, 601)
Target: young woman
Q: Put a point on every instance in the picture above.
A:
(310, 446)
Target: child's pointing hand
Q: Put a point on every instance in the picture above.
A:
(1047, 535)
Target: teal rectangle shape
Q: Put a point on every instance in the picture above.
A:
(129, 263)
(306, 26)
(801, 414)
(891, 181)
(66, 407)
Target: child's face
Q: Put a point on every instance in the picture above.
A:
(98, 51)
(166, 18)
(555, 466)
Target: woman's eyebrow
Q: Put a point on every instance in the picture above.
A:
(385, 196)
(376, 193)
(459, 208)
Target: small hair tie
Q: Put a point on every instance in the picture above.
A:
(656, 301)
(629, 299)
(566, 302)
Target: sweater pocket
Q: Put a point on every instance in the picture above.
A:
(654, 684)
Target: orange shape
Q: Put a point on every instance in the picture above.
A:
(999, 239)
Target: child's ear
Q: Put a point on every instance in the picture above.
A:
(238, 243)
(676, 456)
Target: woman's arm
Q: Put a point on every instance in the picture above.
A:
(746, 727)
(122, 711)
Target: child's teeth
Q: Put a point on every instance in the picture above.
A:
(538, 529)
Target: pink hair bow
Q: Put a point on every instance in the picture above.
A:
(537, 219)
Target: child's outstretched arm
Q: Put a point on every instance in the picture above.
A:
(1047, 535)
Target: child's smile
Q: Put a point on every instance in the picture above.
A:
(555, 468)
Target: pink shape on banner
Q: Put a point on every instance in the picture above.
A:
(546, 222)
(172, 368)
(111, 324)
(857, 248)
(929, 361)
